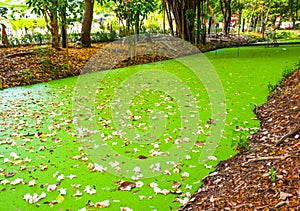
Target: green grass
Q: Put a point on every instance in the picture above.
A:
(38, 115)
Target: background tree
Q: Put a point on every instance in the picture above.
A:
(225, 7)
(190, 17)
(86, 28)
(169, 16)
(69, 11)
(184, 13)
(87, 23)
(134, 12)
(49, 10)
(55, 12)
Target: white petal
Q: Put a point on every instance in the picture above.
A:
(212, 158)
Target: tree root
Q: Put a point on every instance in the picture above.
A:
(291, 133)
(265, 158)
(20, 54)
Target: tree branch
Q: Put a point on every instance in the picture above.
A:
(265, 158)
(291, 133)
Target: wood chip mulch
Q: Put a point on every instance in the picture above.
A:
(267, 177)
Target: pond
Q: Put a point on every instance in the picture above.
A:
(139, 137)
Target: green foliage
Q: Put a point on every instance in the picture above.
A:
(38, 38)
(286, 34)
(3, 12)
(26, 74)
(190, 16)
(287, 72)
(134, 11)
(28, 23)
(71, 10)
(44, 51)
(272, 87)
(273, 174)
(153, 27)
(102, 36)
(240, 138)
(28, 39)
(17, 10)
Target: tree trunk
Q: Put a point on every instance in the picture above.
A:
(182, 31)
(262, 30)
(87, 23)
(137, 27)
(183, 12)
(198, 22)
(170, 20)
(51, 14)
(266, 16)
(164, 16)
(240, 12)
(251, 22)
(54, 33)
(297, 8)
(225, 6)
(63, 28)
(291, 3)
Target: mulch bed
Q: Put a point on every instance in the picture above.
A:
(35, 64)
(267, 177)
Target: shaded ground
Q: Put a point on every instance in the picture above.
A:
(265, 178)
(242, 183)
(30, 65)
(34, 64)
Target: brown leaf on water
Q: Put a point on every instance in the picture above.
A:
(176, 185)
(142, 157)
(9, 174)
(126, 186)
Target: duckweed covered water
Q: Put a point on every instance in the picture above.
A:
(41, 150)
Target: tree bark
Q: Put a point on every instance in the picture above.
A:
(225, 6)
(164, 16)
(137, 27)
(54, 33)
(297, 8)
(265, 18)
(87, 23)
(291, 3)
(170, 20)
(198, 21)
(183, 12)
(53, 26)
